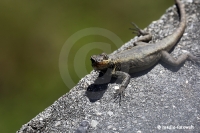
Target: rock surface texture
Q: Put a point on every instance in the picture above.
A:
(162, 99)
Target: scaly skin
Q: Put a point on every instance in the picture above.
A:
(143, 55)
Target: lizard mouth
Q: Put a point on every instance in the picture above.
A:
(99, 65)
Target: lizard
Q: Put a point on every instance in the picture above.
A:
(143, 54)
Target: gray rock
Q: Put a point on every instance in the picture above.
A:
(161, 99)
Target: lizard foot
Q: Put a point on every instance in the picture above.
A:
(119, 93)
(137, 30)
(196, 59)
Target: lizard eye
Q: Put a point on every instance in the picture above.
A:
(105, 56)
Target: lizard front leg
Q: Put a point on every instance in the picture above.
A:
(146, 36)
(126, 79)
(167, 58)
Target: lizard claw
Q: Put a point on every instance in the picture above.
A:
(195, 58)
(137, 30)
(197, 55)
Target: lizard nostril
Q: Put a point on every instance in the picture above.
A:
(92, 60)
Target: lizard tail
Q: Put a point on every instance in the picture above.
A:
(182, 24)
(174, 37)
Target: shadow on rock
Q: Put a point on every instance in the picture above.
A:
(96, 90)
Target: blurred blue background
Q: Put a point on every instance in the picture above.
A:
(32, 34)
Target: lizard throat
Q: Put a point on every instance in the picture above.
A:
(100, 65)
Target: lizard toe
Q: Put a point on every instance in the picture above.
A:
(137, 30)
(197, 59)
(119, 94)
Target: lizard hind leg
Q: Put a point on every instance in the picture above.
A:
(138, 31)
(167, 58)
(145, 36)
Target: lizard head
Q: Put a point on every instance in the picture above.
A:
(100, 62)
